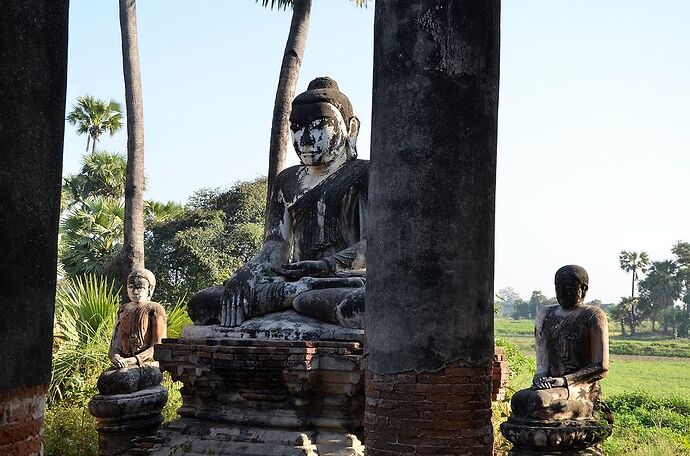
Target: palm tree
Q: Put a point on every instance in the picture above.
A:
(91, 236)
(663, 286)
(95, 117)
(620, 312)
(681, 250)
(134, 186)
(633, 262)
(102, 174)
(287, 82)
(626, 309)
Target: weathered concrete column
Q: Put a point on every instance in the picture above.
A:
(429, 310)
(33, 78)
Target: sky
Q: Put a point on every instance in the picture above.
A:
(594, 137)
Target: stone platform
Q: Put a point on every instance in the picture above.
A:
(556, 438)
(279, 385)
(123, 417)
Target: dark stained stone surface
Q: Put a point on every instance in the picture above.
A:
(33, 77)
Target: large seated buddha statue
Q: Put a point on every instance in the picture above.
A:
(313, 258)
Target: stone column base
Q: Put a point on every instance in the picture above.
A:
(122, 417)
(21, 421)
(556, 438)
(444, 412)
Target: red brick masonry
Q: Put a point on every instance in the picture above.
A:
(499, 375)
(447, 412)
(21, 421)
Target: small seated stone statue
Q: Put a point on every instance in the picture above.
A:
(572, 355)
(140, 325)
(314, 254)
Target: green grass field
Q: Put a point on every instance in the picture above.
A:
(647, 364)
(520, 332)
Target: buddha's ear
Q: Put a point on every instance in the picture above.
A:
(353, 129)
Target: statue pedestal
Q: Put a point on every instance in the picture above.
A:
(123, 417)
(283, 384)
(556, 438)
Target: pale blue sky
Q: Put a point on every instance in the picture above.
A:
(593, 119)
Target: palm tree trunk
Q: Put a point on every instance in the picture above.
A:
(622, 327)
(287, 82)
(632, 305)
(134, 187)
(632, 319)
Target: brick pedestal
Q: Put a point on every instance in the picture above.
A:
(283, 384)
(442, 413)
(21, 421)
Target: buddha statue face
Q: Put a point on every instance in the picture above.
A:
(138, 290)
(571, 286)
(319, 133)
(324, 128)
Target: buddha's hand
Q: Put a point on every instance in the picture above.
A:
(121, 362)
(235, 306)
(547, 382)
(299, 269)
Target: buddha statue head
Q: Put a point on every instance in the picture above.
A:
(571, 282)
(323, 125)
(140, 285)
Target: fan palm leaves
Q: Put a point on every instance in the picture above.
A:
(85, 311)
(662, 286)
(94, 117)
(633, 262)
(102, 174)
(91, 235)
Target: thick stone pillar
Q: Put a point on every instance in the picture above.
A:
(429, 317)
(33, 78)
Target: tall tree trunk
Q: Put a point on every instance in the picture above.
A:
(287, 82)
(622, 327)
(632, 304)
(632, 319)
(134, 187)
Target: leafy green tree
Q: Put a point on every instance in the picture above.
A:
(634, 262)
(662, 287)
(94, 117)
(521, 310)
(504, 302)
(217, 233)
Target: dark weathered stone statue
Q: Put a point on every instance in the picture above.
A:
(572, 356)
(131, 398)
(141, 324)
(314, 255)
